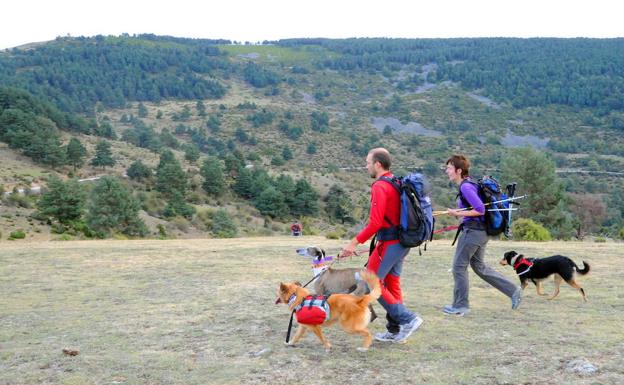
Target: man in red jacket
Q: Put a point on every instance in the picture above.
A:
(387, 259)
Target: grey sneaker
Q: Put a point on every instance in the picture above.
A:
(516, 298)
(458, 311)
(407, 329)
(385, 336)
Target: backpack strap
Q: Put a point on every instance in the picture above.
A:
(392, 181)
(392, 232)
(459, 193)
(459, 229)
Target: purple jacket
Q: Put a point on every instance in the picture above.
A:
(471, 195)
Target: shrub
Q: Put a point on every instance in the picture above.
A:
(17, 234)
(162, 231)
(527, 230)
(307, 226)
(600, 240)
(622, 233)
(338, 233)
(64, 237)
(18, 200)
(222, 225)
(180, 223)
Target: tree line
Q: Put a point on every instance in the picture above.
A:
(525, 72)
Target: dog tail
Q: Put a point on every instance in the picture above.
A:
(373, 283)
(585, 269)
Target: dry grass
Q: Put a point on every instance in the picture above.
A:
(202, 312)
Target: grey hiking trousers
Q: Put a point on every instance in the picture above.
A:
(471, 250)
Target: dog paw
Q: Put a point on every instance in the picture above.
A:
(361, 349)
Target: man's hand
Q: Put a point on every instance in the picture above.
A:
(349, 250)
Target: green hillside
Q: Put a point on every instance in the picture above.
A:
(286, 125)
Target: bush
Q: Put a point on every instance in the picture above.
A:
(19, 200)
(527, 230)
(17, 234)
(338, 233)
(622, 233)
(64, 237)
(307, 226)
(600, 240)
(162, 231)
(222, 225)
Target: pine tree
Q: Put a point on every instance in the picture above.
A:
(138, 171)
(243, 185)
(191, 153)
(286, 185)
(338, 204)
(142, 111)
(212, 172)
(171, 179)
(76, 153)
(103, 155)
(287, 153)
(201, 108)
(306, 202)
(63, 201)
(547, 202)
(271, 202)
(176, 205)
(113, 208)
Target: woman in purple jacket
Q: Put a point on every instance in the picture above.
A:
(472, 241)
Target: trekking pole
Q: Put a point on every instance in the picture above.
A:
(511, 192)
(443, 212)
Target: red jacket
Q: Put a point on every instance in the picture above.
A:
(385, 203)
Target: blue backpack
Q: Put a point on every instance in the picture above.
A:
(416, 214)
(497, 215)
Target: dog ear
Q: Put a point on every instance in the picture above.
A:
(323, 252)
(297, 283)
(283, 288)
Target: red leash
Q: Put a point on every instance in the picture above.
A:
(449, 228)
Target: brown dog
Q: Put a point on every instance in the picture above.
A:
(333, 281)
(350, 311)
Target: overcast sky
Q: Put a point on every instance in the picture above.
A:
(25, 21)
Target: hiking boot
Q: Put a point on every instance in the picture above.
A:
(385, 336)
(407, 329)
(458, 311)
(516, 298)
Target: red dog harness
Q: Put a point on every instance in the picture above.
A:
(525, 262)
(313, 310)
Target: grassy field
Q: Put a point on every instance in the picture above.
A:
(202, 312)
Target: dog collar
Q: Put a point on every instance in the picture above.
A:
(525, 262)
(292, 299)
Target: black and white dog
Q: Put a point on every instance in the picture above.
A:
(538, 269)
